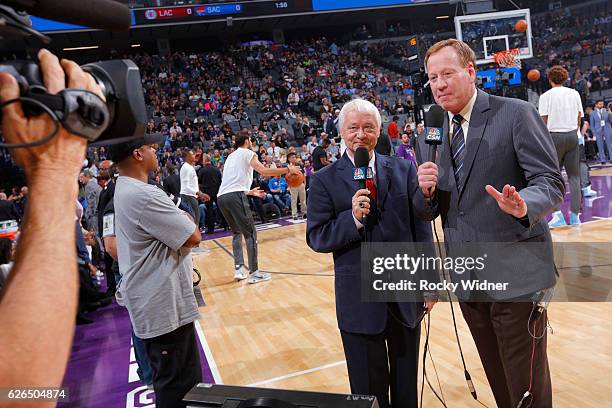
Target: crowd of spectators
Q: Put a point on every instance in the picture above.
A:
(287, 96)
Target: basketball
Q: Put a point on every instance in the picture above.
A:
(533, 75)
(521, 26)
(294, 180)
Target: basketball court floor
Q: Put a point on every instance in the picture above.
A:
(283, 333)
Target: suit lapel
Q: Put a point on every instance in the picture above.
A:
(383, 178)
(345, 173)
(478, 124)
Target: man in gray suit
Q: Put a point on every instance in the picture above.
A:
(92, 193)
(602, 129)
(495, 179)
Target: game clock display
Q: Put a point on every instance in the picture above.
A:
(202, 12)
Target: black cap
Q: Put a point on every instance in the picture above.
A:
(121, 151)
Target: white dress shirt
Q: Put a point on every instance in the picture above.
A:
(466, 114)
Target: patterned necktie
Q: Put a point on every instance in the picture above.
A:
(371, 185)
(458, 150)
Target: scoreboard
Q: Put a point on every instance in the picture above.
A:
(204, 12)
(143, 17)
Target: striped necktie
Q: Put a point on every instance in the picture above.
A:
(458, 150)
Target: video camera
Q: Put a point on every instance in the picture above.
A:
(122, 117)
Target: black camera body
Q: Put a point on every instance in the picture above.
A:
(120, 117)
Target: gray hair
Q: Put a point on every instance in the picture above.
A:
(359, 105)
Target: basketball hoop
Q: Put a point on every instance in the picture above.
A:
(508, 58)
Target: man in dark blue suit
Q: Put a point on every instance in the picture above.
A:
(380, 340)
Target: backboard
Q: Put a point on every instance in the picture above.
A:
(489, 33)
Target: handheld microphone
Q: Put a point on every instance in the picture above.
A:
(101, 14)
(361, 172)
(434, 121)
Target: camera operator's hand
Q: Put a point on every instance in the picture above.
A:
(64, 154)
(46, 249)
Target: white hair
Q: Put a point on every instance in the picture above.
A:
(359, 105)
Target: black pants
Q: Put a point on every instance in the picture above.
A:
(585, 179)
(88, 293)
(175, 360)
(212, 214)
(193, 203)
(377, 362)
(258, 205)
(110, 273)
(505, 346)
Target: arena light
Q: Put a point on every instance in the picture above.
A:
(442, 17)
(135, 45)
(90, 47)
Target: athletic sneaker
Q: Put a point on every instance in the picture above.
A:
(557, 221)
(259, 277)
(241, 273)
(589, 192)
(574, 219)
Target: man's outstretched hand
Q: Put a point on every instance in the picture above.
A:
(509, 200)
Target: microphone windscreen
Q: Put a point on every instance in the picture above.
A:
(434, 123)
(101, 14)
(362, 158)
(434, 116)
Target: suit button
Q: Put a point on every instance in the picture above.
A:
(461, 213)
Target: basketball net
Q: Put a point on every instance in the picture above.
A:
(508, 58)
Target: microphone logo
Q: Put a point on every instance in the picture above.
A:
(360, 173)
(433, 135)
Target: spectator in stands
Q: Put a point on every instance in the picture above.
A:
(319, 155)
(393, 131)
(90, 298)
(299, 192)
(8, 211)
(310, 146)
(278, 189)
(274, 151)
(405, 151)
(327, 124)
